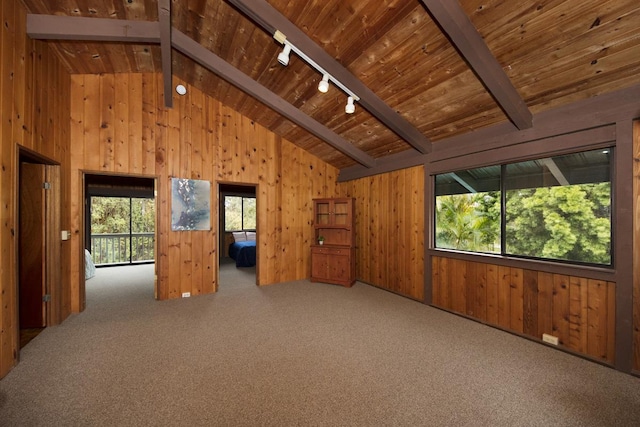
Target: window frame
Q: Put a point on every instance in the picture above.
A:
(503, 253)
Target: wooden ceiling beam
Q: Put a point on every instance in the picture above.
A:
(57, 27)
(164, 17)
(232, 75)
(465, 37)
(271, 20)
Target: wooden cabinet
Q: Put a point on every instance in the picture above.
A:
(334, 260)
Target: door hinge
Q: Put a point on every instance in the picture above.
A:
(46, 298)
(46, 186)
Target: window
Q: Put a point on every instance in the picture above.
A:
(468, 210)
(556, 208)
(239, 213)
(122, 229)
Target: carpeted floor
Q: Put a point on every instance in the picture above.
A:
(296, 353)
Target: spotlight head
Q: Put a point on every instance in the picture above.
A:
(323, 86)
(350, 108)
(283, 57)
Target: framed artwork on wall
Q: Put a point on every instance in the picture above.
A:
(190, 204)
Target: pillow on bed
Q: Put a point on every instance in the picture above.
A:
(251, 235)
(239, 236)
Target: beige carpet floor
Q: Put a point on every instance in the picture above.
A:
(296, 353)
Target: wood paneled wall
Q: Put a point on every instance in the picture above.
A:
(577, 310)
(390, 230)
(119, 125)
(636, 246)
(34, 109)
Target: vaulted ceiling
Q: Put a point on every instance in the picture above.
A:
(425, 70)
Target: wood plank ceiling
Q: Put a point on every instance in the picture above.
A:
(553, 52)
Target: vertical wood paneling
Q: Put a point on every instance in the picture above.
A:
(445, 283)
(561, 308)
(458, 275)
(34, 113)
(545, 303)
(199, 139)
(611, 321)
(200, 284)
(75, 181)
(492, 294)
(636, 246)
(436, 280)
(8, 317)
(530, 303)
(134, 129)
(107, 92)
(90, 136)
(577, 314)
(390, 229)
(504, 295)
(579, 311)
(516, 296)
(597, 319)
(121, 125)
(472, 287)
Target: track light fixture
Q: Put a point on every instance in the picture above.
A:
(283, 57)
(323, 86)
(350, 108)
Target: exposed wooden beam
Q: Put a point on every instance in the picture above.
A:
(597, 112)
(466, 38)
(271, 20)
(164, 16)
(220, 67)
(54, 27)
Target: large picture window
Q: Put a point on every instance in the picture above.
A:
(556, 208)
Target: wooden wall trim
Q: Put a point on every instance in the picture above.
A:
(555, 145)
(597, 273)
(429, 237)
(598, 111)
(623, 224)
(636, 247)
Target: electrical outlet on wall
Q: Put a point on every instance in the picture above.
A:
(550, 339)
(186, 294)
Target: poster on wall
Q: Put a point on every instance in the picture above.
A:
(190, 204)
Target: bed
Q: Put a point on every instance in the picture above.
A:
(243, 249)
(89, 266)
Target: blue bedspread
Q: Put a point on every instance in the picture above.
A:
(244, 253)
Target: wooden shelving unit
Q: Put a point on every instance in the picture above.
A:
(334, 260)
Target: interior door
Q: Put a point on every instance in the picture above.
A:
(32, 286)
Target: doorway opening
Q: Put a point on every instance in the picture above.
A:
(38, 262)
(238, 223)
(120, 224)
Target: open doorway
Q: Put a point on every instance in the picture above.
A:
(120, 230)
(39, 278)
(238, 222)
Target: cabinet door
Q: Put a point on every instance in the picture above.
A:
(323, 212)
(319, 266)
(342, 213)
(339, 268)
